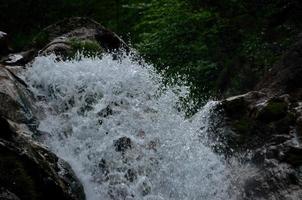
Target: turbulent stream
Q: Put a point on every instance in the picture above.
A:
(123, 134)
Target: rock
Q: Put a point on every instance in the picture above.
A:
(7, 195)
(103, 167)
(293, 155)
(68, 36)
(6, 132)
(265, 126)
(273, 110)
(18, 101)
(144, 186)
(80, 40)
(273, 181)
(267, 123)
(299, 127)
(29, 171)
(105, 112)
(240, 105)
(123, 144)
(131, 175)
(4, 48)
(60, 46)
(20, 58)
(253, 119)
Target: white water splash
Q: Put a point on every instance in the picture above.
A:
(91, 103)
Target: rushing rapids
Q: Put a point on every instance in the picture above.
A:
(123, 134)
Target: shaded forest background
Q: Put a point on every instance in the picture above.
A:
(222, 47)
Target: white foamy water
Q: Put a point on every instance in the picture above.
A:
(89, 104)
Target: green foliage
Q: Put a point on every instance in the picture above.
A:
(220, 47)
(178, 41)
(86, 47)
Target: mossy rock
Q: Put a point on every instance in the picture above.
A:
(86, 47)
(242, 126)
(245, 132)
(273, 111)
(235, 108)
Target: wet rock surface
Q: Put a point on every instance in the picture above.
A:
(16, 100)
(266, 128)
(267, 124)
(20, 58)
(30, 171)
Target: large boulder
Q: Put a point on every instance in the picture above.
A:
(17, 103)
(29, 171)
(264, 129)
(68, 36)
(253, 119)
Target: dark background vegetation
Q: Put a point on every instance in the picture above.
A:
(223, 47)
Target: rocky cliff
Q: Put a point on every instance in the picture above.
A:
(267, 123)
(28, 170)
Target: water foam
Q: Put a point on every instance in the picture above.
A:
(91, 103)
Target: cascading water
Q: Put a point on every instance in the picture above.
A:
(124, 136)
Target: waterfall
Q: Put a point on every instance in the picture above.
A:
(123, 131)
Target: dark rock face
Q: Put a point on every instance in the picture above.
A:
(267, 123)
(7, 195)
(17, 101)
(20, 58)
(27, 169)
(31, 171)
(253, 118)
(265, 126)
(4, 48)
